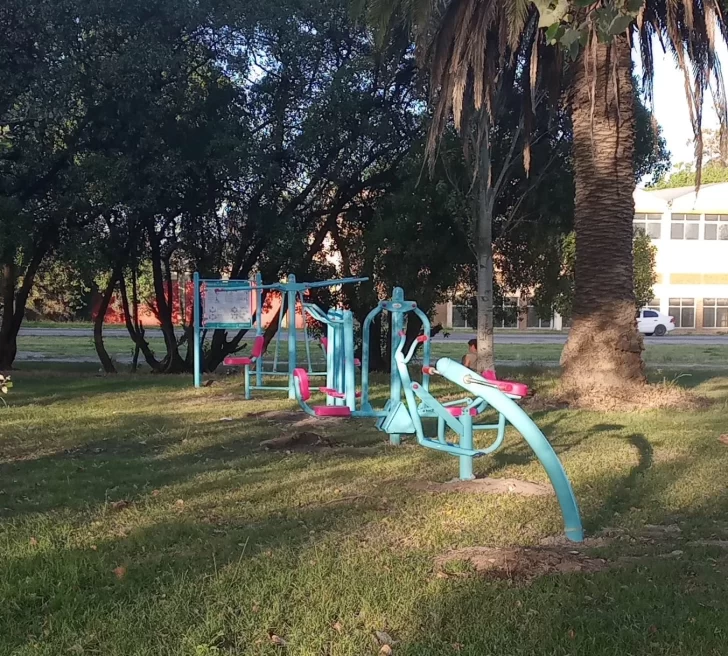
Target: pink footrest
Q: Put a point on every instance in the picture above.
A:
(331, 411)
(458, 412)
(506, 386)
(331, 392)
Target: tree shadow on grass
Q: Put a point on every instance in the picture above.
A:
(665, 596)
(98, 593)
(142, 456)
(627, 494)
(524, 455)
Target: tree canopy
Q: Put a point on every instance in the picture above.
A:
(141, 143)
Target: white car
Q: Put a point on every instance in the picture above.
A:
(652, 322)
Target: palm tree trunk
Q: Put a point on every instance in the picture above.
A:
(484, 241)
(604, 348)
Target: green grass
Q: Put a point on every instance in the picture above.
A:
(121, 347)
(223, 542)
(655, 354)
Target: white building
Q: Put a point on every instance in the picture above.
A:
(691, 234)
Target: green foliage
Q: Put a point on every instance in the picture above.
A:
(571, 23)
(60, 292)
(645, 254)
(684, 176)
(651, 155)
(561, 296)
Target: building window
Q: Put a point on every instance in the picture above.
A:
(507, 315)
(682, 310)
(715, 313)
(460, 316)
(534, 321)
(654, 304)
(685, 226)
(650, 224)
(716, 227)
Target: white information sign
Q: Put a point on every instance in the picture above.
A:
(228, 306)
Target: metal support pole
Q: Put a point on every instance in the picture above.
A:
(197, 337)
(291, 336)
(395, 385)
(259, 327)
(466, 442)
(350, 372)
(365, 346)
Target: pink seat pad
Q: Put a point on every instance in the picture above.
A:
(237, 362)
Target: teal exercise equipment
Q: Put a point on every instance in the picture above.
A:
(458, 417)
(228, 305)
(410, 402)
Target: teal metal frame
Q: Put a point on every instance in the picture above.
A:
(393, 418)
(485, 395)
(291, 291)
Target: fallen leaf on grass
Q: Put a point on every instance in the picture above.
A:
(120, 505)
(385, 638)
(277, 640)
(179, 503)
(119, 572)
(338, 627)
(33, 542)
(256, 608)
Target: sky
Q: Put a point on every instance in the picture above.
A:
(671, 107)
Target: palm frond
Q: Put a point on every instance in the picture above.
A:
(690, 31)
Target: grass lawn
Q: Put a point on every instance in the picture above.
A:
(140, 516)
(121, 347)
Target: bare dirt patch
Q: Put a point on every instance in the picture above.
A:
(296, 419)
(300, 440)
(661, 396)
(487, 486)
(517, 563)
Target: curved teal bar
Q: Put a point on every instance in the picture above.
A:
(518, 418)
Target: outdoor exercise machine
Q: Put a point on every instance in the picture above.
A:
(238, 305)
(458, 416)
(405, 416)
(394, 413)
(340, 391)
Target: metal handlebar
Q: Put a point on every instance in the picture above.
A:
(317, 313)
(410, 354)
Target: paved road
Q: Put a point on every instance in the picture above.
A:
(525, 337)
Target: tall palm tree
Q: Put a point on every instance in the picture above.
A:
(464, 43)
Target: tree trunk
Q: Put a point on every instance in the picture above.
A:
(486, 357)
(8, 338)
(106, 362)
(14, 301)
(604, 348)
(483, 208)
(134, 326)
(173, 362)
